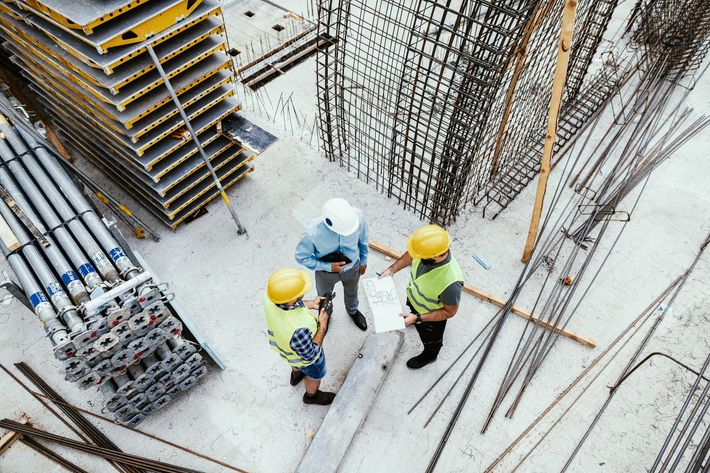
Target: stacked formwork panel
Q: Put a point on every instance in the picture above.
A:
(104, 316)
(91, 69)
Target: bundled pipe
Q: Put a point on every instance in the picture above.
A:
(101, 312)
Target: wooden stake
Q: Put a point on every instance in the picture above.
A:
(7, 236)
(11, 437)
(500, 303)
(563, 49)
(57, 143)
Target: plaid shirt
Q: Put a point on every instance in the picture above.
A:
(302, 341)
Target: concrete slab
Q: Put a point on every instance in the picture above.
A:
(352, 404)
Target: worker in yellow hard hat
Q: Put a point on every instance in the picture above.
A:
(295, 333)
(434, 290)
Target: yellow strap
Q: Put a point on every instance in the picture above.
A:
(224, 197)
(102, 198)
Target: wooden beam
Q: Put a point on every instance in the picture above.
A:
(11, 437)
(57, 143)
(569, 13)
(7, 236)
(500, 303)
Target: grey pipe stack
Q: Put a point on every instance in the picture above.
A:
(125, 310)
(54, 328)
(60, 178)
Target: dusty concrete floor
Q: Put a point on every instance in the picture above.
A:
(248, 414)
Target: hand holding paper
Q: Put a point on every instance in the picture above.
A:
(385, 305)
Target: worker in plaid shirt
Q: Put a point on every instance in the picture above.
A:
(295, 333)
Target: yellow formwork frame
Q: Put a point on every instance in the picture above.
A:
(185, 104)
(79, 109)
(127, 182)
(58, 64)
(139, 33)
(17, 35)
(103, 115)
(88, 28)
(218, 30)
(129, 179)
(111, 144)
(216, 11)
(215, 194)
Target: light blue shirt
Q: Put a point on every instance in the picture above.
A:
(318, 240)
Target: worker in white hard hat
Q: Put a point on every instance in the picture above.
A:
(334, 245)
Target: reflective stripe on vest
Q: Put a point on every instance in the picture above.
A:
(281, 325)
(423, 292)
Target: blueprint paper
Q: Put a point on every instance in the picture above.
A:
(384, 303)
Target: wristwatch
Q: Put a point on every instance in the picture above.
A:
(419, 319)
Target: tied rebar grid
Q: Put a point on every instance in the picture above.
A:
(676, 29)
(433, 101)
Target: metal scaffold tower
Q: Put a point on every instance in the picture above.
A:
(441, 104)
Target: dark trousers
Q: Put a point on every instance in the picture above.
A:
(431, 334)
(325, 282)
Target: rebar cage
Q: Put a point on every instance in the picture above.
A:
(440, 103)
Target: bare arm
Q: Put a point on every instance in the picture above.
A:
(322, 327)
(403, 261)
(444, 313)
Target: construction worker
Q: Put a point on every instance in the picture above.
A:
(295, 333)
(334, 245)
(434, 290)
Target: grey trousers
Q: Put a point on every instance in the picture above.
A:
(325, 282)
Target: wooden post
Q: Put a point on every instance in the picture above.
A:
(519, 58)
(500, 303)
(11, 437)
(563, 49)
(7, 236)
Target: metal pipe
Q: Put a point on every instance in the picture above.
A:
(29, 189)
(57, 200)
(55, 329)
(66, 310)
(55, 170)
(74, 286)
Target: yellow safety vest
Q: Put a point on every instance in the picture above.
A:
(423, 292)
(281, 325)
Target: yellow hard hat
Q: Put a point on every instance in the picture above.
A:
(286, 285)
(429, 241)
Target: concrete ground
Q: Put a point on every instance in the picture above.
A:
(249, 415)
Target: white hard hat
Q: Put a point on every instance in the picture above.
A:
(340, 216)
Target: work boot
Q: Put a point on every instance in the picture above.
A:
(296, 377)
(359, 320)
(321, 398)
(420, 360)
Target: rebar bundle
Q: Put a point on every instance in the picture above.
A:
(106, 319)
(139, 90)
(651, 125)
(437, 102)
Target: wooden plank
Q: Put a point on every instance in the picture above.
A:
(500, 303)
(558, 85)
(8, 237)
(57, 143)
(352, 404)
(11, 437)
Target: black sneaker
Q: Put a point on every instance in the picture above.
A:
(321, 398)
(296, 377)
(420, 361)
(359, 320)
